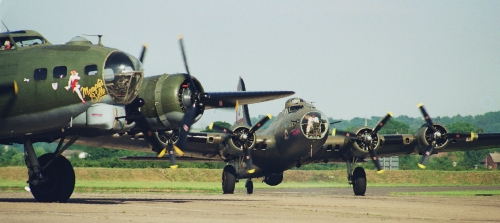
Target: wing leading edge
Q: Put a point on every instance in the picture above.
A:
(231, 99)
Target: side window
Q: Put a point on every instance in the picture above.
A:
(40, 74)
(91, 69)
(60, 72)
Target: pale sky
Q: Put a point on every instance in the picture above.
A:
(351, 58)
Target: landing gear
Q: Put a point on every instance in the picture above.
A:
(51, 177)
(357, 178)
(359, 181)
(58, 180)
(228, 179)
(249, 186)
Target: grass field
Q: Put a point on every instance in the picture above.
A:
(209, 180)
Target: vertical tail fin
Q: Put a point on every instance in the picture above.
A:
(242, 114)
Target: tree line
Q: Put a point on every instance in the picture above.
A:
(461, 160)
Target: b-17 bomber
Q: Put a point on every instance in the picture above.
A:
(61, 92)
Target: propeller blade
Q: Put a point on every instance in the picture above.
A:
(425, 157)
(375, 160)
(143, 52)
(248, 159)
(259, 124)
(181, 43)
(171, 156)
(427, 118)
(382, 123)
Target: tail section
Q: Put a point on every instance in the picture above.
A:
(242, 114)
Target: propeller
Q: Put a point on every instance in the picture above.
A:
(190, 111)
(242, 139)
(366, 138)
(436, 135)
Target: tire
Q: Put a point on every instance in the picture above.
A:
(59, 180)
(249, 186)
(228, 179)
(359, 181)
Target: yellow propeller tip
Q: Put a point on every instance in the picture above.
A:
(269, 116)
(16, 89)
(145, 45)
(420, 105)
(180, 37)
(179, 151)
(251, 171)
(421, 166)
(211, 126)
(162, 153)
(380, 171)
(390, 113)
(174, 166)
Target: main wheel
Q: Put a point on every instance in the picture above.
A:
(228, 179)
(359, 181)
(59, 180)
(249, 186)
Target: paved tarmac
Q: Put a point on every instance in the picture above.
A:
(265, 205)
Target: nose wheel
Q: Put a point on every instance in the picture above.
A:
(249, 186)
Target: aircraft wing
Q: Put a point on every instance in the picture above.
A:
(228, 99)
(403, 144)
(198, 146)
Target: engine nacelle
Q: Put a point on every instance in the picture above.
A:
(360, 146)
(241, 137)
(166, 99)
(424, 137)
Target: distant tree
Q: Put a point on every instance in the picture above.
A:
(395, 127)
(217, 123)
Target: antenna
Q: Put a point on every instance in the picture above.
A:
(99, 36)
(5, 26)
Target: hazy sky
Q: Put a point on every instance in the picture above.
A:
(351, 58)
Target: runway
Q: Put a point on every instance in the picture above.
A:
(269, 205)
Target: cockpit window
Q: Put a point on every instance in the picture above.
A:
(293, 109)
(28, 41)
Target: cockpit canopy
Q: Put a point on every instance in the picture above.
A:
(294, 104)
(21, 38)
